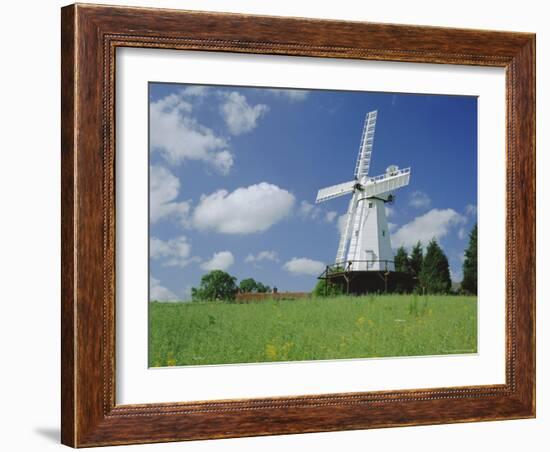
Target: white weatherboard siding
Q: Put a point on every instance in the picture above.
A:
(371, 239)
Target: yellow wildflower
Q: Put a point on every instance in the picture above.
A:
(271, 351)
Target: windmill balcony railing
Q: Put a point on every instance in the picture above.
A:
(394, 173)
(358, 265)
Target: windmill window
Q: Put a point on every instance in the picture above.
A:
(383, 232)
(370, 205)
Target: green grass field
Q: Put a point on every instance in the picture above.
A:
(296, 330)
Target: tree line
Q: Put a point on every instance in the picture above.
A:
(426, 272)
(421, 271)
(220, 285)
(429, 272)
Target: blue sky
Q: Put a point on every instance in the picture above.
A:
(234, 173)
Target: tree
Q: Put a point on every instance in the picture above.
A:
(435, 276)
(415, 263)
(249, 285)
(469, 267)
(401, 260)
(325, 288)
(403, 279)
(260, 288)
(416, 259)
(215, 285)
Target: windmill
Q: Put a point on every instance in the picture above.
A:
(365, 241)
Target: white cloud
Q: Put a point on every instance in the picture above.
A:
(177, 136)
(158, 292)
(294, 95)
(462, 233)
(471, 210)
(262, 256)
(389, 210)
(456, 274)
(197, 91)
(304, 266)
(239, 115)
(392, 227)
(163, 190)
(308, 210)
(330, 216)
(173, 253)
(244, 211)
(419, 200)
(312, 212)
(219, 261)
(434, 224)
(341, 223)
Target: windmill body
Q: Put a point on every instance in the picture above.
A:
(365, 243)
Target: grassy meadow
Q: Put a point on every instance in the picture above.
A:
(311, 329)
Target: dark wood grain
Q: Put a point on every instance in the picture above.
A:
(90, 36)
(67, 226)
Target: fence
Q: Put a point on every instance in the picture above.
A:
(251, 297)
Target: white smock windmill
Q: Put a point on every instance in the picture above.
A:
(365, 242)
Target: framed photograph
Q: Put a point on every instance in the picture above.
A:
(281, 225)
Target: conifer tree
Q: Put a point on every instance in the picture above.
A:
(435, 276)
(469, 267)
(415, 263)
(404, 282)
(401, 260)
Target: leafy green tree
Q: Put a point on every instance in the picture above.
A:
(215, 285)
(469, 267)
(248, 285)
(327, 289)
(261, 288)
(435, 276)
(401, 260)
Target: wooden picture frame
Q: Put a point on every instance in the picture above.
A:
(90, 36)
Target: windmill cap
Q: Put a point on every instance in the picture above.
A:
(392, 169)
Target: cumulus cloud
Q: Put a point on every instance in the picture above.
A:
(471, 210)
(177, 136)
(312, 212)
(163, 191)
(244, 211)
(419, 200)
(196, 91)
(219, 261)
(304, 266)
(173, 253)
(294, 95)
(308, 210)
(262, 256)
(434, 224)
(389, 210)
(462, 233)
(341, 223)
(239, 116)
(157, 292)
(456, 274)
(330, 216)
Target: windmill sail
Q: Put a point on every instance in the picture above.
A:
(387, 182)
(336, 190)
(344, 238)
(365, 148)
